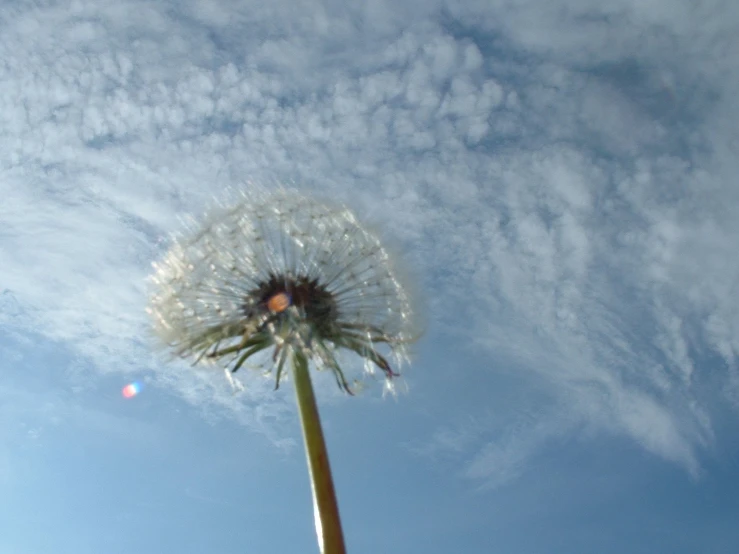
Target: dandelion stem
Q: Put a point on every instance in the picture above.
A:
(325, 508)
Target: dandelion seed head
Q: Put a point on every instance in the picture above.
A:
(276, 270)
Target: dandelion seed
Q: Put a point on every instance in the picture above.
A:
(236, 386)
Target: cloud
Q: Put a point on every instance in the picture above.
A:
(572, 166)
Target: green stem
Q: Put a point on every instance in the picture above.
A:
(325, 508)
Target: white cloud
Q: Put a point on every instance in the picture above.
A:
(573, 167)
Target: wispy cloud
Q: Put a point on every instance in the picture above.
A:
(568, 168)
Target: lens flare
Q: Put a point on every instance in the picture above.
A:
(278, 303)
(131, 390)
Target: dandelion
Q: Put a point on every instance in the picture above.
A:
(293, 281)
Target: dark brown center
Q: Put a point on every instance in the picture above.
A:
(312, 300)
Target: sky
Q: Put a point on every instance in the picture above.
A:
(559, 179)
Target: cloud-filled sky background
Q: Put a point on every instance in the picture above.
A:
(559, 177)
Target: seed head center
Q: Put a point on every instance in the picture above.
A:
(311, 299)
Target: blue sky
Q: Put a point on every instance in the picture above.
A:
(560, 177)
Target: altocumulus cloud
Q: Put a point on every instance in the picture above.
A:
(573, 165)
